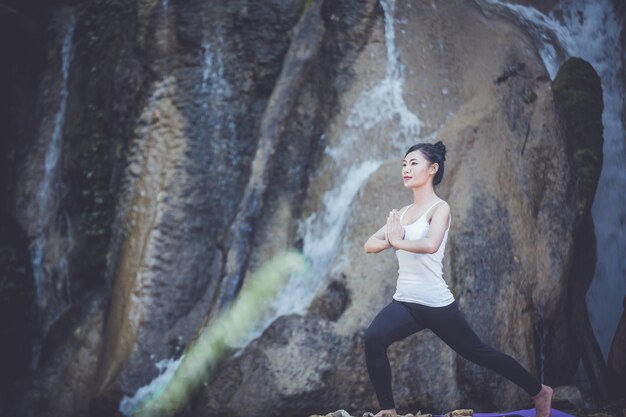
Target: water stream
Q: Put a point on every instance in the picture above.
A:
(216, 92)
(379, 121)
(165, 33)
(47, 188)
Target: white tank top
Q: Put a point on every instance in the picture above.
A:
(420, 275)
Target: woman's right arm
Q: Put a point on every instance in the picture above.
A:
(378, 242)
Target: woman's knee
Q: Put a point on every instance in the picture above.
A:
(373, 339)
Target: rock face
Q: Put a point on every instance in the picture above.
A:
(149, 139)
(510, 182)
(197, 139)
(21, 66)
(194, 143)
(617, 359)
(567, 397)
(190, 280)
(66, 372)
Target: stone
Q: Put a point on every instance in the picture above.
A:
(460, 413)
(331, 304)
(567, 397)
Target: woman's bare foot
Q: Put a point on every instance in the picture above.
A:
(543, 402)
(391, 412)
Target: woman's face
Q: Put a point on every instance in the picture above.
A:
(417, 170)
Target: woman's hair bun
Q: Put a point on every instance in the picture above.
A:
(441, 148)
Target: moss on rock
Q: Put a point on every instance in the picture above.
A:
(578, 94)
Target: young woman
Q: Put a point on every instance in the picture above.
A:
(419, 233)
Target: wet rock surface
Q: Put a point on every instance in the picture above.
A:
(165, 106)
(508, 182)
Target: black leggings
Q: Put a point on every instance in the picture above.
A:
(399, 320)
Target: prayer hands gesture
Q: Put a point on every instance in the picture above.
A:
(395, 231)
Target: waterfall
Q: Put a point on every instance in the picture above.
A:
(165, 5)
(381, 122)
(216, 93)
(165, 9)
(166, 369)
(46, 200)
(50, 245)
(591, 31)
(383, 103)
(378, 122)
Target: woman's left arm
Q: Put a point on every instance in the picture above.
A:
(429, 244)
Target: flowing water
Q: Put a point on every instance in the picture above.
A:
(217, 93)
(165, 41)
(379, 121)
(50, 245)
(166, 369)
(590, 30)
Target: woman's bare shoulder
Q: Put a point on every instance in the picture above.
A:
(442, 207)
(444, 204)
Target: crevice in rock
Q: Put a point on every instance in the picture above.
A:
(578, 96)
(305, 44)
(331, 304)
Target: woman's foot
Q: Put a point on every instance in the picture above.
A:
(543, 402)
(390, 412)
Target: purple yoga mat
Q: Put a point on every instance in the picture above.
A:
(523, 413)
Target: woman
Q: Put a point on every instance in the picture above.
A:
(422, 299)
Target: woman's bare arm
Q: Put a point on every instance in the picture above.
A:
(378, 241)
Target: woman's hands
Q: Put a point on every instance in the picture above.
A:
(391, 232)
(395, 231)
